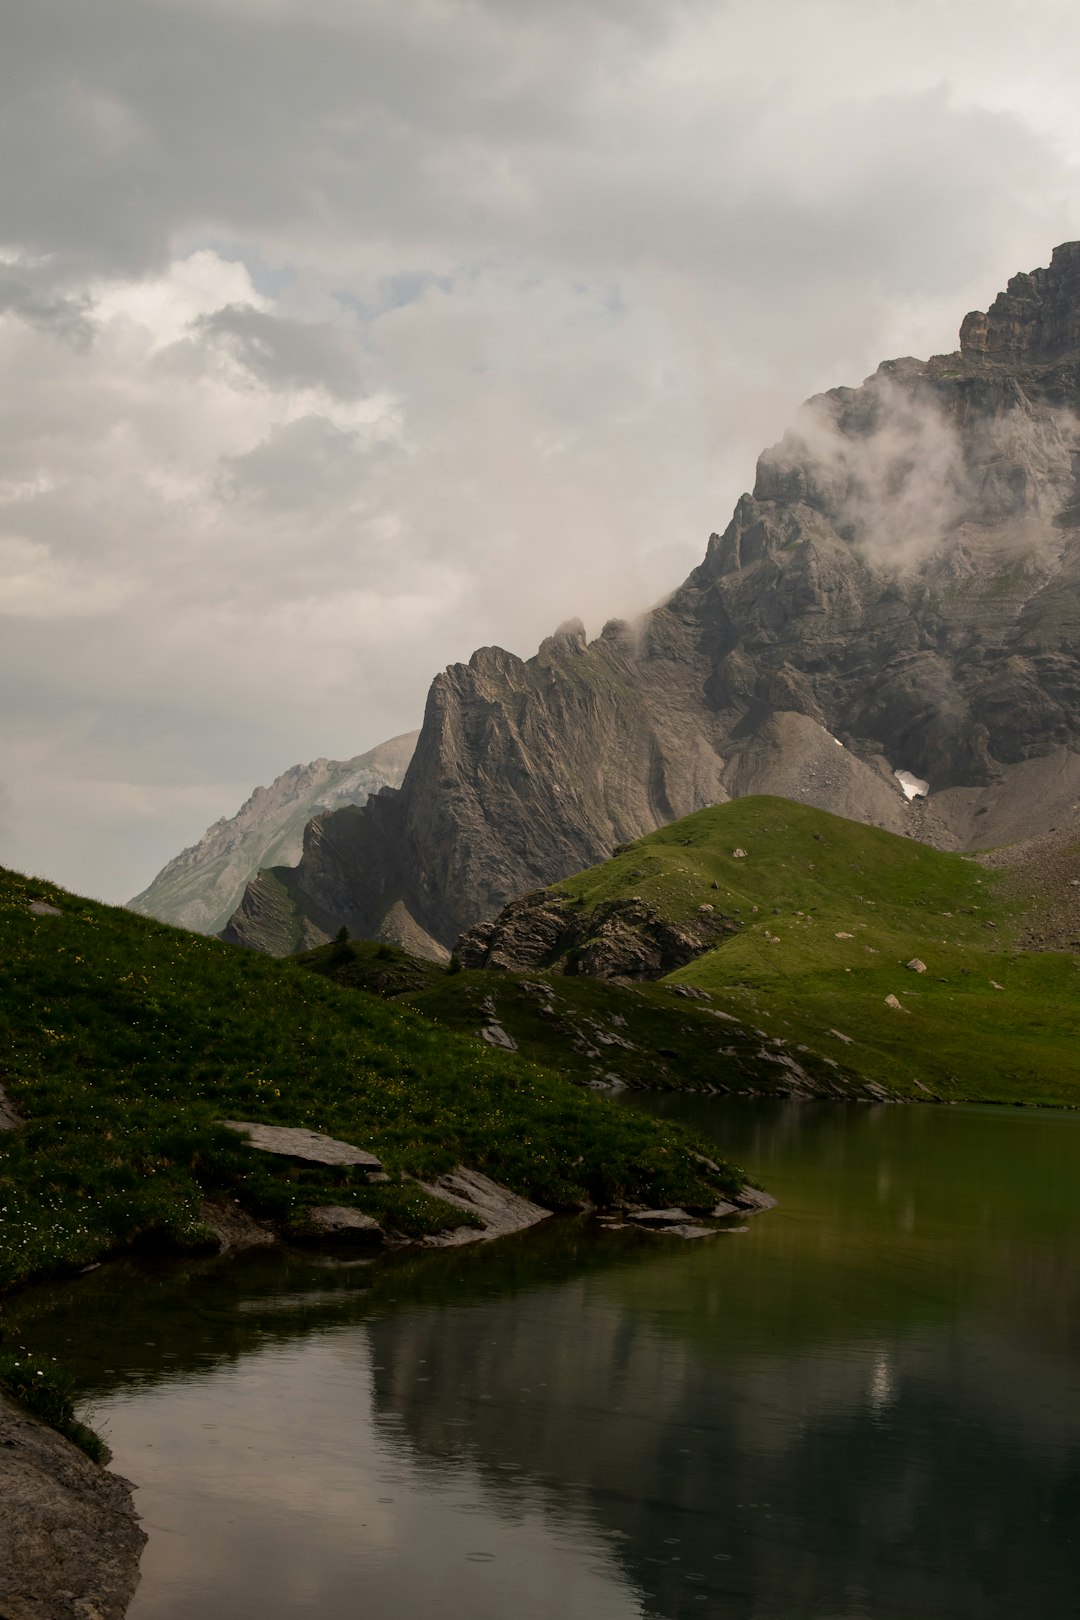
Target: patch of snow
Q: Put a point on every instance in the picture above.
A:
(913, 786)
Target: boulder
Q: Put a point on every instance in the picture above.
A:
(752, 1198)
(659, 1217)
(233, 1227)
(337, 1221)
(302, 1146)
(495, 1035)
(499, 1210)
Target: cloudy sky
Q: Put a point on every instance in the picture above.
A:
(342, 336)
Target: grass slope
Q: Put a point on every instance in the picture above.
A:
(652, 1036)
(831, 911)
(124, 1043)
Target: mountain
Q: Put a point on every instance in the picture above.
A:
(200, 887)
(900, 592)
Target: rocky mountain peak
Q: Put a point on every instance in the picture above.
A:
(1036, 320)
(899, 593)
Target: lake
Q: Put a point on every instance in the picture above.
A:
(866, 1404)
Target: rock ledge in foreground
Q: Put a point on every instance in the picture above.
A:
(69, 1536)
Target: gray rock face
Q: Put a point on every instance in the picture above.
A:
(69, 1538)
(200, 887)
(621, 939)
(899, 592)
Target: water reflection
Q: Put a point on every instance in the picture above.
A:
(869, 1404)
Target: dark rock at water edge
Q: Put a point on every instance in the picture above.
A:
(69, 1537)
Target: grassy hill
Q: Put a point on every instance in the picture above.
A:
(828, 913)
(654, 1036)
(124, 1043)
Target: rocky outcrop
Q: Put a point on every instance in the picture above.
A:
(899, 592)
(620, 939)
(201, 887)
(495, 1211)
(69, 1537)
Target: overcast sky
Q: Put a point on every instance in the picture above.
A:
(341, 337)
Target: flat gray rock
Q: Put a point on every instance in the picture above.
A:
(686, 1230)
(336, 1220)
(723, 1209)
(69, 1537)
(659, 1217)
(500, 1210)
(42, 908)
(306, 1147)
(754, 1198)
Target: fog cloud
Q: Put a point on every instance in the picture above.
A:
(900, 477)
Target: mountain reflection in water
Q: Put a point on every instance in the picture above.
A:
(866, 1405)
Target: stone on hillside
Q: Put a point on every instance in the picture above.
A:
(845, 936)
(335, 1220)
(891, 1001)
(233, 1227)
(738, 855)
(42, 908)
(916, 966)
(302, 1146)
(495, 1035)
(499, 1210)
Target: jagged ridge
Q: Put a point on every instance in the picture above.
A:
(901, 590)
(200, 887)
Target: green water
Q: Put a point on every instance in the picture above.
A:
(866, 1404)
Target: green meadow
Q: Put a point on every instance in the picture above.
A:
(124, 1043)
